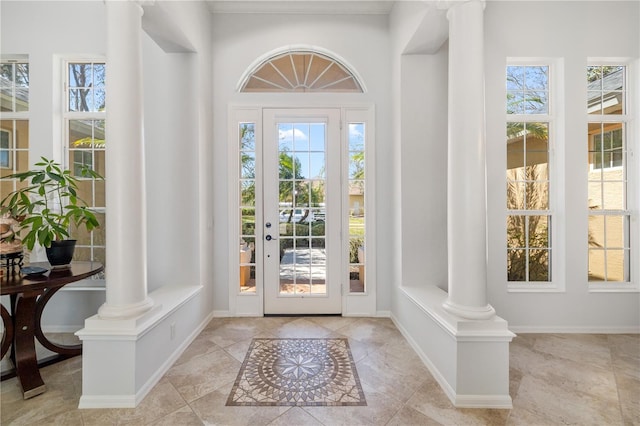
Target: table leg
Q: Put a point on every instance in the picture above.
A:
(25, 349)
(7, 338)
(64, 351)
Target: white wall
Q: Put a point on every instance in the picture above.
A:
(34, 28)
(366, 43)
(178, 124)
(239, 39)
(171, 150)
(420, 140)
(423, 169)
(572, 31)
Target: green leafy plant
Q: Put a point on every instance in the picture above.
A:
(49, 204)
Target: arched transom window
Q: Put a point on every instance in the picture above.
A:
(301, 71)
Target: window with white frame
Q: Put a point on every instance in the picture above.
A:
(14, 120)
(609, 232)
(528, 174)
(357, 192)
(84, 123)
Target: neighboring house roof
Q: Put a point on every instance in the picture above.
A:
(606, 93)
(6, 85)
(613, 81)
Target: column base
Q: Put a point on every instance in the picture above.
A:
(122, 360)
(468, 358)
(133, 310)
(469, 312)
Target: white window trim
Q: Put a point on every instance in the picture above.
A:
(555, 119)
(65, 116)
(632, 126)
(358, 304)
(17, 115)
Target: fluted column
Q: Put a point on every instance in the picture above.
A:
(466, 192)
(126, 248)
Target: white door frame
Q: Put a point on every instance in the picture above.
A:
(252, 304)
(276, 302)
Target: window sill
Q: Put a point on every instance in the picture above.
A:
(534, 288)
(616, 287)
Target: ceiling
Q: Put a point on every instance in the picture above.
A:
(374, 7)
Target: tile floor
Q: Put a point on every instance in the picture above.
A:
(555, 379)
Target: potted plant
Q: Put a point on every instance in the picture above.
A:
(48, 206)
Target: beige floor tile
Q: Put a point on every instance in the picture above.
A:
(58, 399)
(563, 373)
(629, 396)
(431, 401)
(407, 416)
(295, 416)
(627, 345)
(334, 323)
(625, 355)
(567, 406)
(200, 346)
(524, 417)
(301, 328)
(233, 331)
(68, 418)
(388, 374)
(212, 410)
(515, 377)
(182, 417)
(380, 410)
(592, 349)
(371, 330)
(360, 350)
(203, 374)
(160, 402)
(554, 379)
(239, 350)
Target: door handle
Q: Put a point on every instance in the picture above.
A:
(269, 238)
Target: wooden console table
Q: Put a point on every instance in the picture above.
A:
(29, 296)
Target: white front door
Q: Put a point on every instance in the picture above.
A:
(301, 211)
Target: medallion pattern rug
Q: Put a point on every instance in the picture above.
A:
(302, 372)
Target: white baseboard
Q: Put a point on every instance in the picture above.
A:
(483, 401)
(524, 329)
(107, 401)
(221, 314)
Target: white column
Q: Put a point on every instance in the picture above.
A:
(126, 268)
(466, 192)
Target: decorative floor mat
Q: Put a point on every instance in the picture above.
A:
(304, 372)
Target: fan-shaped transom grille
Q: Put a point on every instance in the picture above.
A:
(301, 72)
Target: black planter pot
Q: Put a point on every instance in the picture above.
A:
(61, 252)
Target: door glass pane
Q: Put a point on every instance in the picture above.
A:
(247, 211)
(357, 213)
(301, 207)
